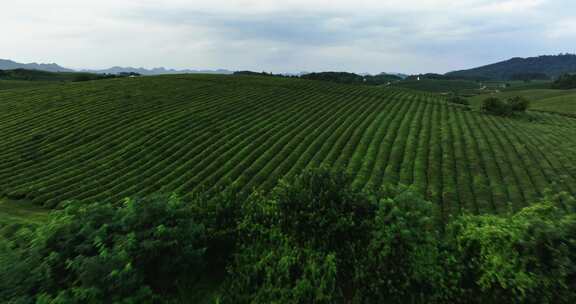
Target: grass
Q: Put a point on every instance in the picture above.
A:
(18, 84)
(111, 139)
(438, 86)
(561, 101)
(21, 212)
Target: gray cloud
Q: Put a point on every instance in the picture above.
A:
(290, 35)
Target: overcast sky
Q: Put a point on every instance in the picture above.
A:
(407, 36)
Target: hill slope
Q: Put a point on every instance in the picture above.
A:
(552, 66)
(438, 86)
(124, 137)
(559, 101)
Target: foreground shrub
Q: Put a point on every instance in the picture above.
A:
(317, 240)
(527, 257)
(314, 239)
(101, 253)
(403, 262)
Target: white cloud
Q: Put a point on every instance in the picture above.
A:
(284, 35)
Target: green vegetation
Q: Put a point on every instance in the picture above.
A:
(557, 101)
(507, 107)
(565, 82)
(19, 78)
(13, 212)
(523, 68)
(111, 139)
(91, 253)
(315, 238)
(18, 84)
(456, 99)
(351, 78)
(438, 85)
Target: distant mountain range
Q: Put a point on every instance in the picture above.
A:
(156, 71)
(52, 67)
(548, 66)
(551, 66)
(12, 65)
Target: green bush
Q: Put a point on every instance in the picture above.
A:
(315, 239)
(506, 107)
(495, 106)
(300, 243)
(455, 99)
(518, 104)
(527, 257)
(101, 253)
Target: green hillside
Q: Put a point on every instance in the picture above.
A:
(17, 84)
(438, 85)
(548, 66)
(111, 139)
(560, 101)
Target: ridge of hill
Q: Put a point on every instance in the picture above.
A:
(111, 139)
(550, 65)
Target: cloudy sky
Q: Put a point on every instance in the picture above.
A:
(407, 36)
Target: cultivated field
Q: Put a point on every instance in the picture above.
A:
(110, 139)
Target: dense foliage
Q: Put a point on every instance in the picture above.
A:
(507, 107)
(351, 78)
(456, 99)
(101, 253)
(35, 75)
(439, 85)
(565, 82)
(529, 76)
(314, 239)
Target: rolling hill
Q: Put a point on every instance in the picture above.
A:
(110, 139)
(552, 66)
(557, 101)
(438, 86)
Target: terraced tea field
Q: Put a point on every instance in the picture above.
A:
(106, 140)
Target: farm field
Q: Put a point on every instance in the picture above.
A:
(561, 101)
(16, 84)
(111, 139)
(438, 86)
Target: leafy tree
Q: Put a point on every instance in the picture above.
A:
(565, 82)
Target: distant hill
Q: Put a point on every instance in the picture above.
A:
(6, 64)
(551, 66)
(13, 65)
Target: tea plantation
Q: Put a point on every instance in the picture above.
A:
(110, 139)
